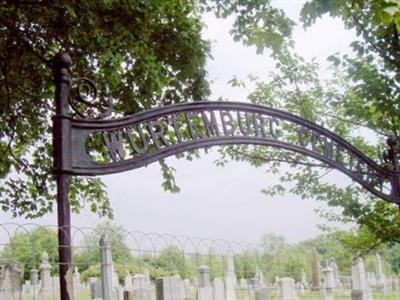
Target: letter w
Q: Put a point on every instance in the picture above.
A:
(115, 144)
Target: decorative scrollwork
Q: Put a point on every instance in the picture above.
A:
(391, 156)
(86, 102)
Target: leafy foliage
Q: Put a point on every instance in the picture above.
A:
(27, 248)
(362, 93)
(144, 54)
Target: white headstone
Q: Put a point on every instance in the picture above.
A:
(203, 279)
(218, 289)
(230, 288)
(140, 281)
(380, 275)
(230, 272)
(46, 283)
(287, 290)
(128, 281)
(204, 293)
(77, 280)
(95, 289)
(10, 281)
(360, 287)
(189, 290)
(169, 288)
(303, 279)
(329, 283)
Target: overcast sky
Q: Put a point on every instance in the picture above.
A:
(220, 202)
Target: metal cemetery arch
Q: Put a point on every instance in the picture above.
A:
(131, 142)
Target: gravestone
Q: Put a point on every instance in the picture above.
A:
(230, 272)
(287, 290)
(137, 294)
(259, 275)
(77, 280)
(96, 292)
(26, 287)
(11, 281)
(380, 276)
(46, 283)
(218, 289)
(34, 277)
(34, 280)
(204, 293)
(261, 293)
(360, 287)
(128, 281)
(203, 279)
(230, 288)
(189, 290)
(334, 266)
(316, 272)
(169, 288)
(303, 279)
(140, 281)
(329, 283)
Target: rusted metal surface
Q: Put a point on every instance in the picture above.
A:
(62, 147)
(135, 141)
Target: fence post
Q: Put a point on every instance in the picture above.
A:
(106, 262)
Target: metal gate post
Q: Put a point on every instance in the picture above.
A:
(62, 159)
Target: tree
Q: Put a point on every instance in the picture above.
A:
(362, 94)
(143, 53)
(27, 247)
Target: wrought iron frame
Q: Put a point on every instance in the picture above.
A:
(71, 135)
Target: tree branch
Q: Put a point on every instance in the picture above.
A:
(288, 161)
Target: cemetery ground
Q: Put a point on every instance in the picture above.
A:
(149, 266)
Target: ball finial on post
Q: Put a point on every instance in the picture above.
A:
(62, 60)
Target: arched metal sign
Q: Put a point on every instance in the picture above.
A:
(96, 146)
(134, 141)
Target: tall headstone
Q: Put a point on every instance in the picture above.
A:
(303, 279)
(33, 277)
(169, 288)
(203, 278)
(128, 281)
(106, 268)
(10, 281)
(189, 290)
(260, 276)
(77, 280)
(96, 292)
(218, 289)
(334, 266)
(287, 289)
(360, 287)
(230, 272)
(46, 283)
(316, 272)
(329, 283)
(381, 283)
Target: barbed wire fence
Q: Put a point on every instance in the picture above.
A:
(149, 266)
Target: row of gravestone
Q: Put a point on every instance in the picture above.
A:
(140, 287)
(360, 282)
